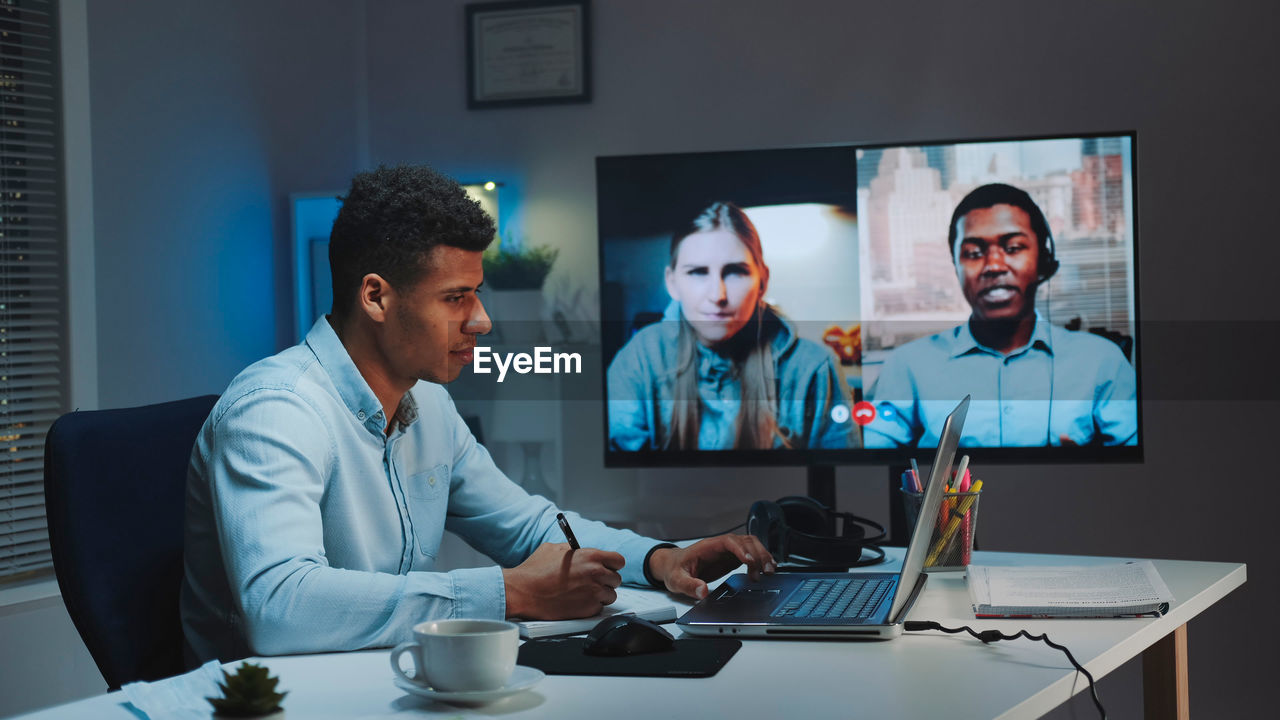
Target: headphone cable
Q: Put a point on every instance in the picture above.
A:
(877, 557)
(1048, 426)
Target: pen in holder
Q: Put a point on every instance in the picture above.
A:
(951, 542)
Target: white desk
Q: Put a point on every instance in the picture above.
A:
(919, 675)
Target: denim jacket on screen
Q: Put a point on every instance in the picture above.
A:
(641, 402)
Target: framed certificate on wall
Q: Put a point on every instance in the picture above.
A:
(528, 52)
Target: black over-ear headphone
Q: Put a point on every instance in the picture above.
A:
(801, 530)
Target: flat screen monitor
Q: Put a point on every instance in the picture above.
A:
(830, 305)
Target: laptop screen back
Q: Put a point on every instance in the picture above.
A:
(919, 545)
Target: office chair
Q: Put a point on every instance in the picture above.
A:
(115, 488)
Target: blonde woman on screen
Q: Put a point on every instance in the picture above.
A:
(723, 369)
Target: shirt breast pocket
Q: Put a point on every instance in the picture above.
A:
(428, 498)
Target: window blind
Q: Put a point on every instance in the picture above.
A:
(32, 288)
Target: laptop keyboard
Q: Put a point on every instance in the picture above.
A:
(834, 598)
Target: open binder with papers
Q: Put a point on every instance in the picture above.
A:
(1111, 590)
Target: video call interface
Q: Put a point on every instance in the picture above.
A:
(847, 297)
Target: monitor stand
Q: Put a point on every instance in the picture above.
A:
(898, 528)
(822, 484)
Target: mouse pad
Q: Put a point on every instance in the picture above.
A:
(690, 657)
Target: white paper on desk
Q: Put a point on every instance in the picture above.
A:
(642, 603)
(1115, 588)
(181, 697)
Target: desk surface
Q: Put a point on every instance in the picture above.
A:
(918, 675)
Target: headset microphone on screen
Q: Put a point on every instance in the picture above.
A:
(800, 530)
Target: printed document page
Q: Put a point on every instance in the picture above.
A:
(1116, 586)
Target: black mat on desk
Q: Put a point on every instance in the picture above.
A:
(691, 657)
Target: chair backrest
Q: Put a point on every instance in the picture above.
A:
(115, 488)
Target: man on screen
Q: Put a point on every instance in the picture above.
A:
(1032, 383)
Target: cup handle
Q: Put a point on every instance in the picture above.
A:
(399, 650)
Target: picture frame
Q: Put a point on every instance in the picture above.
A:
(528, 52)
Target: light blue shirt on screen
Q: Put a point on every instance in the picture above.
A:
(309, 529)
(1061, 383)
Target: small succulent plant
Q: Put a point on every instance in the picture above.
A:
(248, 693)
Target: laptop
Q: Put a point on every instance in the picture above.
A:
(861, 605)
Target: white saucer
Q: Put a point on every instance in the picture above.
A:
(522, 679)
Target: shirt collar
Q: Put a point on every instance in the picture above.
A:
(351, 385)
(963, 342)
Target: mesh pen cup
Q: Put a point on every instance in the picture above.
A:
(951, 542)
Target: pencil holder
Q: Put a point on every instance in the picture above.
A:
(951, 542)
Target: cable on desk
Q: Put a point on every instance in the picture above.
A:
(990, 636)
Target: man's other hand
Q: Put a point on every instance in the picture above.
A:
(687, 570)
(560, 583)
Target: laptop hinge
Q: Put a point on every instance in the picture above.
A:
(911, 600)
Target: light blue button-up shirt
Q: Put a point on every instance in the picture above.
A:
(1061, 383)
(309, 529)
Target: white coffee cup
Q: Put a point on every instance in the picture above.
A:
(460, 655)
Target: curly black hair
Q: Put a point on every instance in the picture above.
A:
(391, 219)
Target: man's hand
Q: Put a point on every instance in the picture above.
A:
(559, 583)
(686, 570)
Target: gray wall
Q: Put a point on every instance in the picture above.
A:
(44, 662)
(205, 118)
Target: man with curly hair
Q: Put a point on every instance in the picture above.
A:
(323, 480)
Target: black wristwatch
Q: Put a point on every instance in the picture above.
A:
(648, 575)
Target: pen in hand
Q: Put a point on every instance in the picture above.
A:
(568, 531)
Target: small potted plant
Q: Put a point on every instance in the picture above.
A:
(250, 693)
(512, 266)
(516, 273)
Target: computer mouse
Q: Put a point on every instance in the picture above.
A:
(619, 635)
